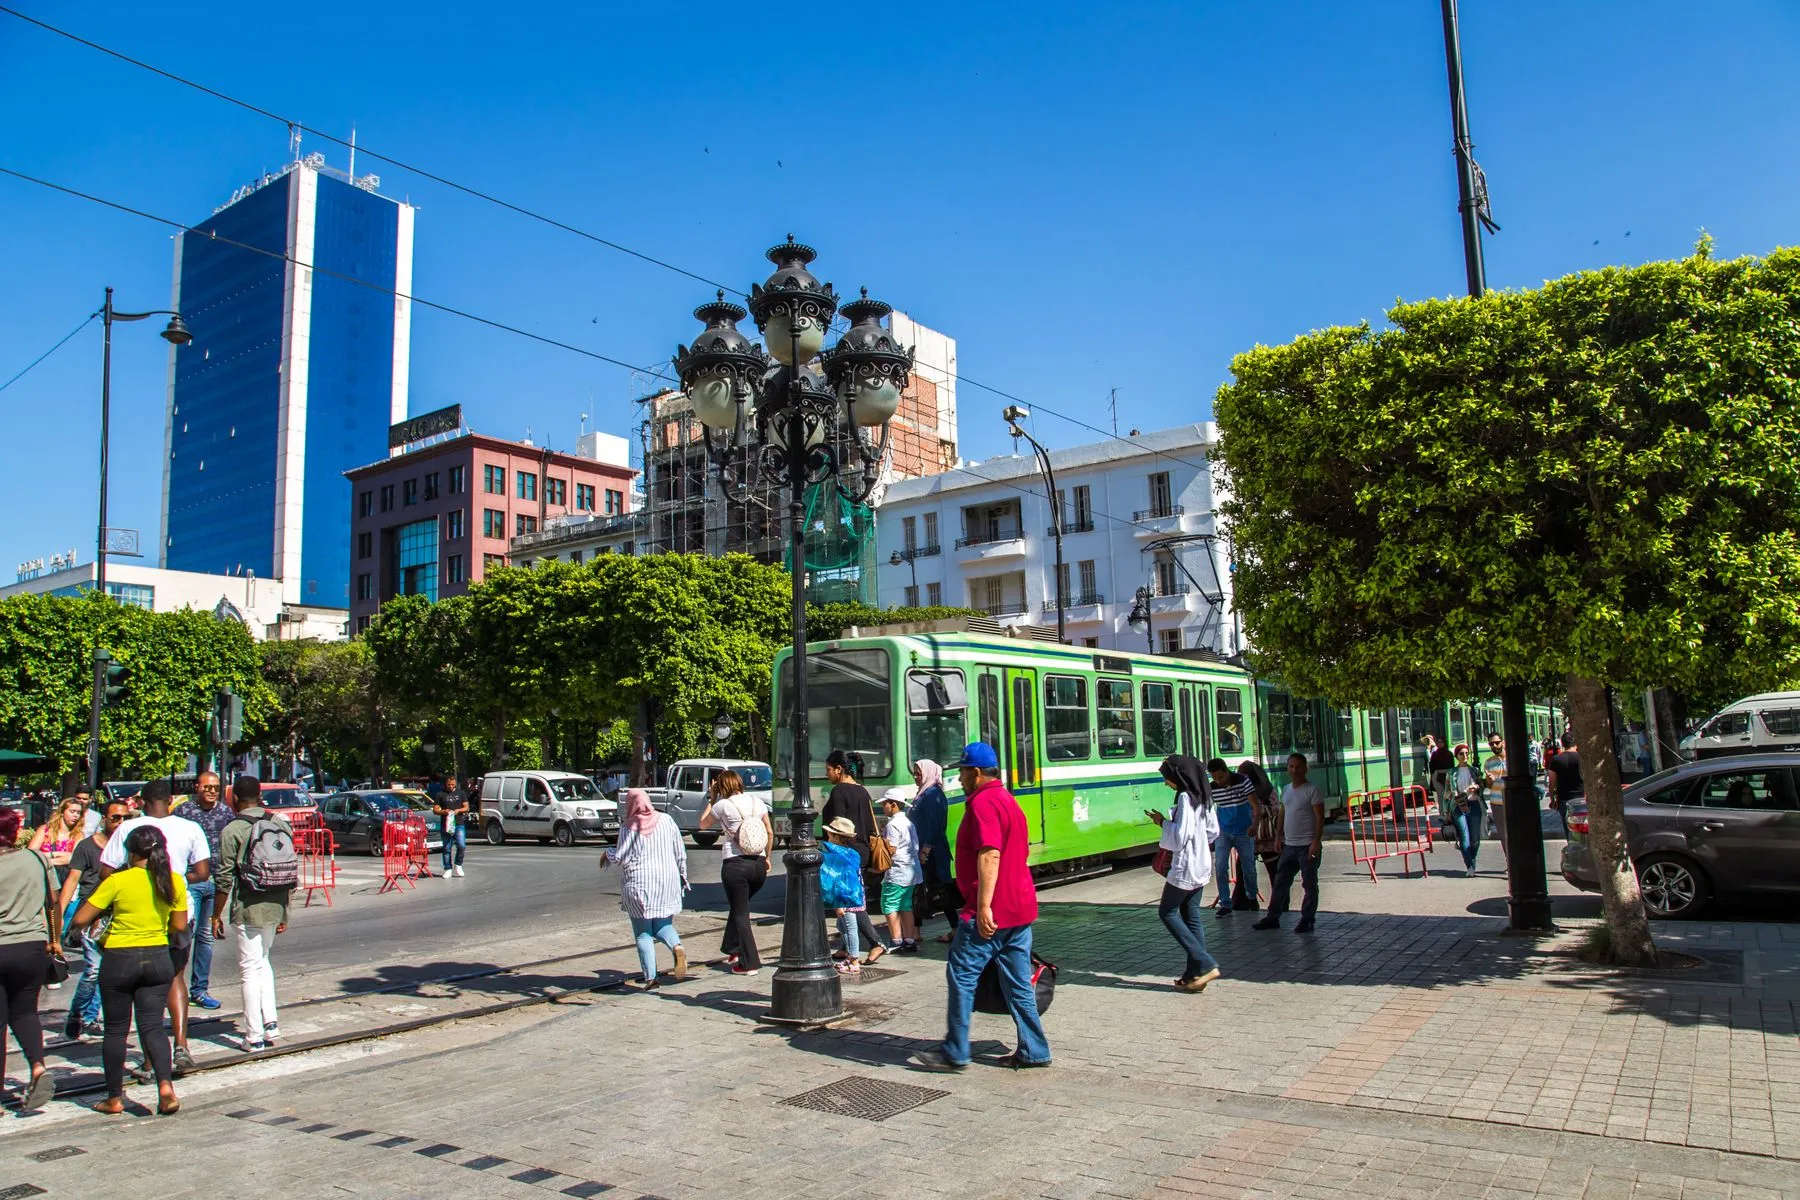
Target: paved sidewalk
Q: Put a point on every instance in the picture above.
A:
(1387, 1054)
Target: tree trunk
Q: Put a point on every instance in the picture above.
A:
(497, 751)
(457, 762)
(1626, 919)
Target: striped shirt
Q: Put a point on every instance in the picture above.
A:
(1232, 803)
(655, 870)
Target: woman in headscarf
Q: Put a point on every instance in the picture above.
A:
(1187, 834)
(652, 857)
(931, 820)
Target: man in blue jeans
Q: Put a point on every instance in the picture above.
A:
(206, 811)
(999, 903)
(1234, 803)
(451, 806)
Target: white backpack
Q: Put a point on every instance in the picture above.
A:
(752, 836)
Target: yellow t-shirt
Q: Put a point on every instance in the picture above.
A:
(140, 918)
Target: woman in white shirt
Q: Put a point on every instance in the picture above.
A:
(653, 859)
(1187, 834)
(748, 834)
(903, 874)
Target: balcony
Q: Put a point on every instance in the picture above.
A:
(1158, 519)
(1003, 543)
(1083, 525)
(917, 552)
(1017, 609)
(1084, 600)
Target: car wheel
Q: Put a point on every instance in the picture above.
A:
(1673, 886)
(496, 836)
(703, 840)
(563, 835)
(374, 845)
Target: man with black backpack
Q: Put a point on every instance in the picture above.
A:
(256, 874)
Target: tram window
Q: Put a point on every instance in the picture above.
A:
(1024, 762)
(1065, 718)
(1458, 724)
(1204, 749)
(1377, 729)
(1302, 725)
(1346, 723)
(1230, 706)
(990, 713)
(1159, 720)
(1118, 726)
(1278, 737)
(938, 702)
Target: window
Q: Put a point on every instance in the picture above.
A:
(387, 498)
(556, 491)
(574, 556)
(934, 595)
(990, 710)
(931, 538)
(1065, 718)
(416, 559)
(365, 586)
(1486, 722)
(409, 492)
(1781, 722)
(1092, 643)
(1159, 719)
(1346, 723)
(1728, 725)
(615, 502)
(584, 497)
(453, 525)
(365, 545)
(493, 480)
(1084, 509)
(1459, 724)
(523, 524)
(490, 562)
(1090, 582)
(362, 623)
(1228, 704)
(365, 504)
(937, 704)
(431, 485)
(911, 596)
(849, 704)
(1377, 730)
(1064, 592)
(1162, 503)
(133, 595)
(493, 523)
(454, 572)
(1169, 641)
(1168, 577)
(527, 485)
(458, 480)
(1764, 790)
(909, 532)
(1277, 737)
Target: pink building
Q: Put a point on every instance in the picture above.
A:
(433, 519)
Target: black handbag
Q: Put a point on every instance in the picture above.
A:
(990, 999)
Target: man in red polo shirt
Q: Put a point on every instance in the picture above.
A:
(999, 903)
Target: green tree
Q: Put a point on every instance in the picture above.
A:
(1593, 483)
(827, 621)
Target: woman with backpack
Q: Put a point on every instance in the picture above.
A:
(747, 835)
(653, 859)
(145, 902)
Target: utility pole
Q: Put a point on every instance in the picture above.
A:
(1528, 895)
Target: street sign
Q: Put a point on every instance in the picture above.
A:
(123, 543)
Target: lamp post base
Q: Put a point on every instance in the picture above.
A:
(806, 989)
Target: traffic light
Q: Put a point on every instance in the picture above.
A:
(116, 686)
(231, 717)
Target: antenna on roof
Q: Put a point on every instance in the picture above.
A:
(1114, 401)
(352, 152)
(293, 143)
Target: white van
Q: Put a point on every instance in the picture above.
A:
(551, 806)
(690, 780)
(1769, 721)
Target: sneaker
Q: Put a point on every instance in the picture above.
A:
(184, 1061)
(1268, 923)
(1304, 927)
(907, 948)
(934, 1060)
(1224, 910)
(93, 1029)
(459, 871)
(252, 1046)
(72, 1027)
(270, 1032)
(208, 1001)
(1014, 1062)
(740, 969)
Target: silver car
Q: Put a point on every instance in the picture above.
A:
(1716, 827)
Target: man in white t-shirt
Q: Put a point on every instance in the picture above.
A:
(903, 873)
(190, 856)
(1302, 828)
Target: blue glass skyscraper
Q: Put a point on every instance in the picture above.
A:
(294, 375)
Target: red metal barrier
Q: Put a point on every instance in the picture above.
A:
(1390, 823)
(403, 857)
(318, 860)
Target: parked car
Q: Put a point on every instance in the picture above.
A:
(552, 806)
(287, 800)
(691, 779)
(358, 819)
(1715, 827)
(1768, 721)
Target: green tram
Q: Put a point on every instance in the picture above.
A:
(1080, 732)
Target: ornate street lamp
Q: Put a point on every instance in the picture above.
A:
(1140, 616)
(775, 413)
(721, 728)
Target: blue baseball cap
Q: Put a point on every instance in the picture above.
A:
(981, 756)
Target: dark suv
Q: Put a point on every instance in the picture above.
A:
(1719, 826)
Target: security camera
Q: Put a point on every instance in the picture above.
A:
(1015, 413)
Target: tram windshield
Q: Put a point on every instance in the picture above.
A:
(849, 707)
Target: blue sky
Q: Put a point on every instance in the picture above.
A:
(1085, 196)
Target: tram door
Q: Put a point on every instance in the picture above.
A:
(1019, 757)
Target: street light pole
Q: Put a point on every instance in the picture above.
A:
(1013, 415)
(1528, 894)
(1141, 616)
(912, 564)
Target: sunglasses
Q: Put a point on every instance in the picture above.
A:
(114, 818)
(209, 787)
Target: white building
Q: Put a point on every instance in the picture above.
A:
(256, 602)
(1138, 513)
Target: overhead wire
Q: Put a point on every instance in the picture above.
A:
(521, 210)
(85, 322)
(210, 235)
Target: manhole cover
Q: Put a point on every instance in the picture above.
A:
(871, 975)
(870, 1099)
(56, 1152)
(19, 1191)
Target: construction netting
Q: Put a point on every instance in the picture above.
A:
(840, 548)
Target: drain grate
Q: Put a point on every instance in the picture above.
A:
(19, 1191)
(56, 1152)
(871, 975)
(869, 1099)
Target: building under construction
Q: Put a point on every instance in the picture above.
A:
(686, 510)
